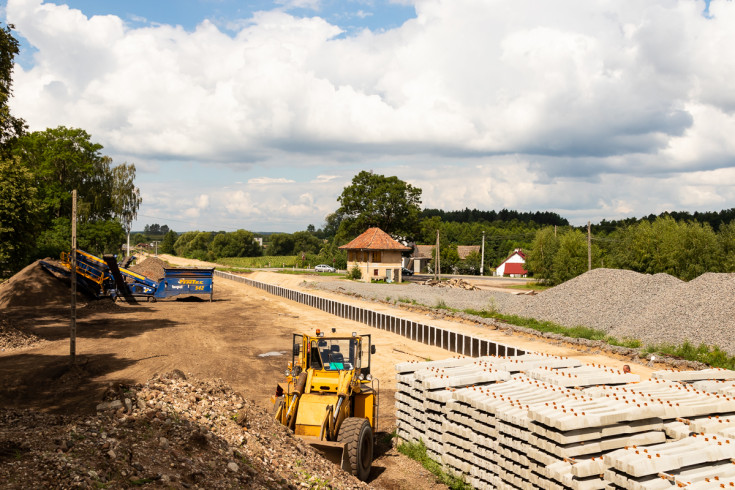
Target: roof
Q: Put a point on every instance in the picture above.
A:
(374, 239)
(424, 251)
(464, 250)
(514, 268)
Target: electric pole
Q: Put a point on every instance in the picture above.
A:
(589, 247)
(482, 256)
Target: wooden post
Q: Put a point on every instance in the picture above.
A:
(589, 247)
(437, 262)
(482, 256)
(73, 333)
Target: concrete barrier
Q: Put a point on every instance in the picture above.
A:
(454, 342)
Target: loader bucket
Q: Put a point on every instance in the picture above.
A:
(336, 452)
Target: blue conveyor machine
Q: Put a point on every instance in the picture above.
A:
(103, 277)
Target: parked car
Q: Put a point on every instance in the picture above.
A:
(324, 268)
(406, 272)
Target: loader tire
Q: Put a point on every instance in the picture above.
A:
(357, 434)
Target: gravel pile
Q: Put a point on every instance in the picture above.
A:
(11, 338)
(150, 267)
(170, 432)
(656, 309)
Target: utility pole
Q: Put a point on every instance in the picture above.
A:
(437, 259)
(589, 246)
(154, 241)
(73, 332)
(482, 256)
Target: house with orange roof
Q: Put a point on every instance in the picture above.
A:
(377, 255)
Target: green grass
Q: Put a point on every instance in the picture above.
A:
(418, 452)
(261, 262)
(711, 355)
(232, 269)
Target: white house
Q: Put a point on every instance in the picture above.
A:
(513, 266)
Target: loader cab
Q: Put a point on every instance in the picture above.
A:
(332, 354)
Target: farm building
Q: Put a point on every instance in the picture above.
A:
(513, 266)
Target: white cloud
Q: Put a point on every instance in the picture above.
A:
(571, 106)
(324, 178)
(270, 180)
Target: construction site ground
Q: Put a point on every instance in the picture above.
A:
(243, 337)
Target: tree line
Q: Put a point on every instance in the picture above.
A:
(684, 249)
(38, 172)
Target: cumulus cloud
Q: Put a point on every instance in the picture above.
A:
(541, 96)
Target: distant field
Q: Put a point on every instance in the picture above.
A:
(265, 261)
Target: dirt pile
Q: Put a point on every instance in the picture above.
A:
(150, 267)
(171, 431)
(34, 286)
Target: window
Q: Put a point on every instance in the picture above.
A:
(376, 256)
(375, 272)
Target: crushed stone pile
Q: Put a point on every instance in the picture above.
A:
(12, 338)
(655, 309)
(150, 267)
(171, 431)
(33, 286)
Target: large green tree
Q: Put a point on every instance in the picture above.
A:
(19, 210)
(376, 200)
(167, 245)
(240, 243)
(63, 159)
(10, 127)
(682, 249)
(540, 258)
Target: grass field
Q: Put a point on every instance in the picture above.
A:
(260, 262)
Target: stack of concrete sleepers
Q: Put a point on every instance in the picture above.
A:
(547, 427)
(685, 411)
(422, 392)
(702, 459)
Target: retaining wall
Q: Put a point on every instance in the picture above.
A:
(459, 343)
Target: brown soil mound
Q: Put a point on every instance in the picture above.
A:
(151, 267)
(170, 432)
(34, 286)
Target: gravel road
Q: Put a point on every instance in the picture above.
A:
(656, 309)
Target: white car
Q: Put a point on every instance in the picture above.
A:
(324, 268)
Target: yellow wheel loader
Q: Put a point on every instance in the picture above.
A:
(329, 398)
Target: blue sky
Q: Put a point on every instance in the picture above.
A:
(256, 115)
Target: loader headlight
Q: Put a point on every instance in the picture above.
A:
(369, 377)
(287, 372)
(360, 377)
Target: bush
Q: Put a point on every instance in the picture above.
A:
(355, 273)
